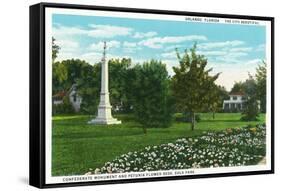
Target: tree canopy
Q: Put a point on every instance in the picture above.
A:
(151, 96)
(192, 83)
(251, 105)
(55, 50)
(261, 85)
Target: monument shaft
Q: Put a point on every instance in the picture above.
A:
(104, 109)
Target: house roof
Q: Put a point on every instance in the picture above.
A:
(60, 94)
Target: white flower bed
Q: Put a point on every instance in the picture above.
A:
(233, 147)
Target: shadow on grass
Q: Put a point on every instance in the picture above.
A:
(221, 120)
(92, 135)
(226, 120)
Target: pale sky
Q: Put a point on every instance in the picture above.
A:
(234, 50)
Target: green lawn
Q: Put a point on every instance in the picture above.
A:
(78, 146)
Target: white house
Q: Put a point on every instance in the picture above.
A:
(73, 97)
(235, 102)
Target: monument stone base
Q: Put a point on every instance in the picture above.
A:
(104, 116)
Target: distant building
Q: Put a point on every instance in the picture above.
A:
(235, 102)
(58, 98)
(72, 95)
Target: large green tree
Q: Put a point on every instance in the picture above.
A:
(251, 104)
(88, 86)
(192, 83)
(261, 85)
(68, 72)
(59, 77)
(80, 73)
(238, 87)
(118, 84)
(151, 96)
(88, 80)
(55, 50)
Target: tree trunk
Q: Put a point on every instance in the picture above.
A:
(144, 130)
(192, 120)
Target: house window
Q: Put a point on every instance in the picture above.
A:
(234, 97)
(74, 97)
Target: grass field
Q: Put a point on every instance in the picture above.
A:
(77, 146)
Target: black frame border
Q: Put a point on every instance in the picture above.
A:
(37, 94)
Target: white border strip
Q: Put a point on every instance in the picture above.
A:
(48, 95)
(151, 16)
(153, 174)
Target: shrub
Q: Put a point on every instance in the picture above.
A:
(152, 103)
(64, 108)
(251, 111)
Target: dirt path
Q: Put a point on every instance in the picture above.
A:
(263, 161)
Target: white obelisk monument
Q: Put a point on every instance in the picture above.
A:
(104, 109)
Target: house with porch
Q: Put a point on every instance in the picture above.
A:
(235, 102)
